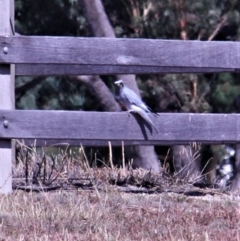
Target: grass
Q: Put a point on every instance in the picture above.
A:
(111, 204)
(112, 215)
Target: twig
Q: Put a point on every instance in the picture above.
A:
(182, 19)
(123, 155)
(26, 167)
(36, 188)
(21, 90)
(217, 29)
(110, 154)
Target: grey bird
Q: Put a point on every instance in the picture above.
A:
(130, 101)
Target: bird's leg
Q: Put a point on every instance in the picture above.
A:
(129, 111)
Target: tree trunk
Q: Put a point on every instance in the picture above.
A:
(143, 156)
(100, 90)
(101, 27)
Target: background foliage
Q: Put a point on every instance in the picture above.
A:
(165, 19)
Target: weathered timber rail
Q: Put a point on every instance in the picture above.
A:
(97, 128)
(35, 55)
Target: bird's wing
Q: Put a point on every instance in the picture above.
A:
(144, 115)
(134, 99)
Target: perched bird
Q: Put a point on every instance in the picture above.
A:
(130, 101)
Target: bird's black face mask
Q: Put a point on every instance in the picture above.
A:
(119, 84)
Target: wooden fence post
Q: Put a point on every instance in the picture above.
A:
(7, 100)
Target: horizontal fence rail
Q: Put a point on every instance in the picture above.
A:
(36, 55)
(73, 69)
(97, 128)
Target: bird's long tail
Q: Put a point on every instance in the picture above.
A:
(145, 116)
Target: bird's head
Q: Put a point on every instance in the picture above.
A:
(119, 83)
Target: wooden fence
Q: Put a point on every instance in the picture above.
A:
(28, 55)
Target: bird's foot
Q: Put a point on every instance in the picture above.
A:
(129, 112)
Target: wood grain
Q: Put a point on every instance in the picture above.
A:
(74, 69)
(114, 126)
(123, 52)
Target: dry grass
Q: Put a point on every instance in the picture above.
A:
(111, 204)
(111, 215)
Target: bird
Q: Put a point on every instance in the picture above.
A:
(131, 102)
